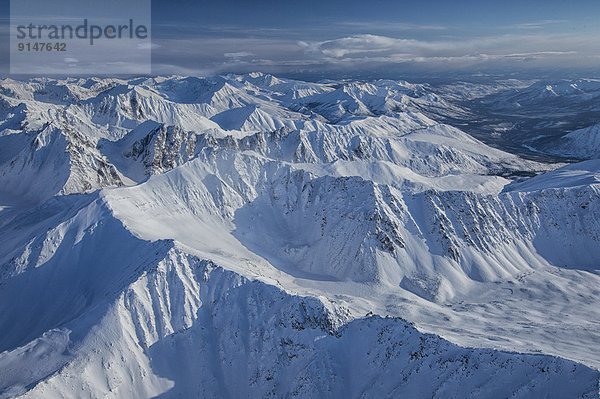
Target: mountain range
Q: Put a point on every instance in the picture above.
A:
(255, 236)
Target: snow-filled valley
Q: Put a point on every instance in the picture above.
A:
(252, 236)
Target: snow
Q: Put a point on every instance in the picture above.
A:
(584, 174)
(247, 235)
(33, 362)
(582, 143)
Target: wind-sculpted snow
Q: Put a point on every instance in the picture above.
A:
(252, 236)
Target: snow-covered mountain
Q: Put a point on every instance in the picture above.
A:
(581, 143)
(247, 235)
(577, 92)
(526, 117)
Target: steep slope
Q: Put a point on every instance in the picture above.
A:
(339, 227)
(51, 162)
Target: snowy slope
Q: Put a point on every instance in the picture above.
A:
(581, 174)
(53, 161)
(582, 143)
(190, 328)
(161, 322)
(247, 235)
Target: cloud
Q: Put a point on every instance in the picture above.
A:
(540, 24)
(372, 52)
(238, 55)
(369, 52)
(363, 45)
(376, 48)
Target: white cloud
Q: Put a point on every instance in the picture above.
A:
(239, 54)
(365, 50)
(540, 24)
(383, 48)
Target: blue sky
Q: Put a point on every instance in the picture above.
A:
(376, 37)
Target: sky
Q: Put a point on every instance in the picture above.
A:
(346, 38)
